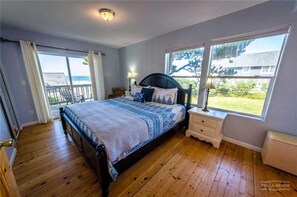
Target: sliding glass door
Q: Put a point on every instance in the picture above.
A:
(81, 79)
(66, 79)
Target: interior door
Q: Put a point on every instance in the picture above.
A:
(8, 186)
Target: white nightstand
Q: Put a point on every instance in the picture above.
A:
(206, 126)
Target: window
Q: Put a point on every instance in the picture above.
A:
(267, 69)
(243, 72)
(246, 69)
(66, 79)
(185, 66)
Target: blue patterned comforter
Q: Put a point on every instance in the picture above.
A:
(122, 124)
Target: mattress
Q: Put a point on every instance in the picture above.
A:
(123, 125)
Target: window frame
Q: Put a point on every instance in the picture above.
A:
(167, 65)
(206, 64)
(281, 31)
(167, 57)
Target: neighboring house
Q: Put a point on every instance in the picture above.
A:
(252, 64)
(54, 79)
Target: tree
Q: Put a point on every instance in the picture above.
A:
(240, 89)
(222, 89)
(193, 57)
(191, 60)
(221, 71)
(243, 88)
(229, 50)
(85, 61)
(185, 82)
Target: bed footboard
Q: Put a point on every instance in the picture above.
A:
(95, 156)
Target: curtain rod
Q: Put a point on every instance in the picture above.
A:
(14, 41)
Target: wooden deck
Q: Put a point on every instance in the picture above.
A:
(48, 164)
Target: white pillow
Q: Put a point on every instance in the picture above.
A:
(165, 96)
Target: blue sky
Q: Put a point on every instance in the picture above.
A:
(273, 43)
(51, 63)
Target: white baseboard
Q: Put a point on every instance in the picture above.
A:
(29, 124)
(14, 152)
(254, 148)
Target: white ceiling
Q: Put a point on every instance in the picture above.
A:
(134, 21)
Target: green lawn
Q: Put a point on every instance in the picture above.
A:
(245, 105)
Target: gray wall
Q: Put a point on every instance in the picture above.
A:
(149, 56)
(14, 69)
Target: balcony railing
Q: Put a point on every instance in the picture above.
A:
(55, 98)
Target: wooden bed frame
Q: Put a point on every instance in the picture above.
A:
(97, 157)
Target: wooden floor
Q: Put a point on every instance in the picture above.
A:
(48, 164)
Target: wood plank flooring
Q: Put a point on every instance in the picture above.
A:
(48, 164)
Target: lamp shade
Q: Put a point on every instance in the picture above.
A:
(131, 75)
(209, 84)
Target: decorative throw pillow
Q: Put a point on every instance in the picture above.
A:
(148, 94)
(165, 96)
(135, 89)
(139, 97)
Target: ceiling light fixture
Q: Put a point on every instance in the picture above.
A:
(106, 14)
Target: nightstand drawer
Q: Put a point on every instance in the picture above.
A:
(206, 126)
(203, 130)
(204, 121)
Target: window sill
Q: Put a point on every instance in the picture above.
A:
(239, 114)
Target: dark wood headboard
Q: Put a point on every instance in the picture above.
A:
(165, 81)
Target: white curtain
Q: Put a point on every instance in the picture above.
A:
(97, 78)
(31, 61)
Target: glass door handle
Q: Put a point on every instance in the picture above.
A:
(7, 143)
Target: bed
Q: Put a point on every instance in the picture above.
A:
(104, 156)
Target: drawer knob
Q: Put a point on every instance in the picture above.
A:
(202, 121)
(201, 130)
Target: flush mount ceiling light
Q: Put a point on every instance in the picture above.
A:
(106, 14)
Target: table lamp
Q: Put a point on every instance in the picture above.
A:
(208, 85)
(130, 76)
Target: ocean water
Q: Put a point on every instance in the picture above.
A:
(80, 79)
